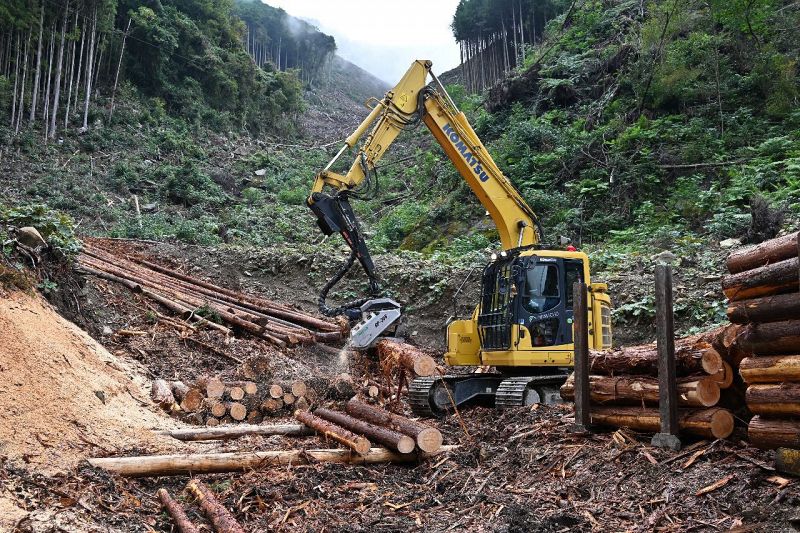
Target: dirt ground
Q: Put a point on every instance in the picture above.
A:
(518, 470)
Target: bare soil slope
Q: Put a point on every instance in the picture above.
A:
(63, 396)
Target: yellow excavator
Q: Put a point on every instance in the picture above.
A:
(522, 325)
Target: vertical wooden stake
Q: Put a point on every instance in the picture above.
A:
(580, 315)
(665, 343)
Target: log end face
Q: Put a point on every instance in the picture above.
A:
(429, 440)
(406, 445)
(722, 424)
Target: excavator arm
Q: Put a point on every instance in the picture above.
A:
(410, 102)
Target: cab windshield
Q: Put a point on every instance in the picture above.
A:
(541, 288)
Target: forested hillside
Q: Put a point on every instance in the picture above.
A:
(221, 64)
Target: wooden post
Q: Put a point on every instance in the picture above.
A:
(580, 325)
(665, 343)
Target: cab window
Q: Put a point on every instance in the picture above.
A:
(573, 272)
(541, 289)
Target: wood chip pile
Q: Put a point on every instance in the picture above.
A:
(763, 289)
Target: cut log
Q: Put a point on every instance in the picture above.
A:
(237, 411)
(222, 520)
(373, 391)
(765, 253)
(776, 278)
(299, 389)
(428, 439)
(724, 377)
(176, 512)
(643, 360)
(771, 433)
(254, 417)
(767, 309)
(772, 338)
(239, 430)
(356, 442)
(208, 463)
(772, 369)
(161, 393)
(407, 356)
(715, 423)
(388, 437)
(712, 361)
(302, 404)
(276, 391)
(215, 388)
(218, 409)
(636, 390)
(774, 399)
(288, 398)
(179, 390)
(212, 422)
(236, 394)
(342, 387)
(271, 406)
(192, 400)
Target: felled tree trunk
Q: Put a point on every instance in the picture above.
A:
(222, 520)
(388, 437)
(176, 512)
(703, 392)
(209, 463)
(161, 393)
(767, 280)
(766, 309)
(716, 423)
(772, 369)
(774, 399)
(356, 442)
(428, 439)
(240, 430)
(768, 252)
(767, 433)
(772, 338)
(644, 359)
(407, 356)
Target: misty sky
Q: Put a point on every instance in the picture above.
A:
(382, 36)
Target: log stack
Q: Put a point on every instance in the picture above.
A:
(763, 290)
(624, 388)
(212, 401)
(191, 297)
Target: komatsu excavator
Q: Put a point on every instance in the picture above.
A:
(522, 325)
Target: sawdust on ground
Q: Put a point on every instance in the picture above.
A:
(63, 397)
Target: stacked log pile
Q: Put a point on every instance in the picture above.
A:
(364, 423)
(212, 401)
(624, 388)
(763, 289)
(185, 295)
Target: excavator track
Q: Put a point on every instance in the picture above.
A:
(527, 390)
(421, 396)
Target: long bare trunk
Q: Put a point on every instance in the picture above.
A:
(16, 84)
(119, 66)
(46, 120)
(522, 32)
(57, 93)
(89, 63)
(71, 75)
(38, 67)
(22, 88)
(80, 70)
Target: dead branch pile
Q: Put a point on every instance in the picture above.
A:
(212, 401)
(624, 388)
(192, 298)
(764, 299)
